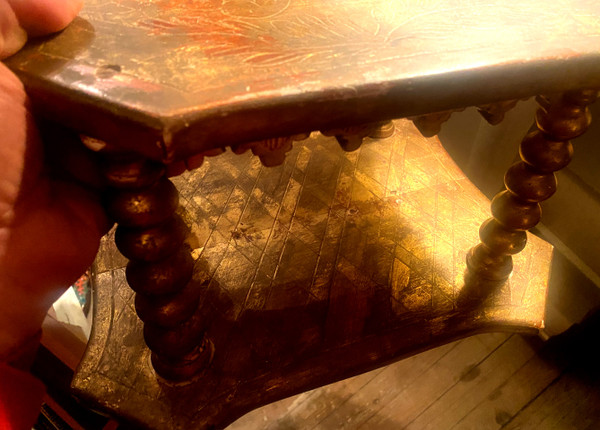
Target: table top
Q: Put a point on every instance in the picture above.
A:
(170, 78)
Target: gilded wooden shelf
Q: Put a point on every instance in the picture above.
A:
(324, 267)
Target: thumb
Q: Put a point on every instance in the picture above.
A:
(39, 17)
(19, 18)
(12, 35)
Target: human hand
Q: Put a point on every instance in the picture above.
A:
(49, 228)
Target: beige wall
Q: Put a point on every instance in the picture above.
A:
(571, 218)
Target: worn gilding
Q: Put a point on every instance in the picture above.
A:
(171, 78)
(326, 266)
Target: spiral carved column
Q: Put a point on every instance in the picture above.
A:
(529, 182)
(152, 236)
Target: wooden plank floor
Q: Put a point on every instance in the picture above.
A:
(488, 381)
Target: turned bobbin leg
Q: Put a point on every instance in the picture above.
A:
(350, 138)
(152, 236)
(529, 182)
(383, 130)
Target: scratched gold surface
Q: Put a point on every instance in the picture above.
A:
(324, 267)
(199, 73)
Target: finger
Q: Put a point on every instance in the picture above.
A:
(39, 17)
(20, 149)
(86, 205)
(56, 237)
(68, 159)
